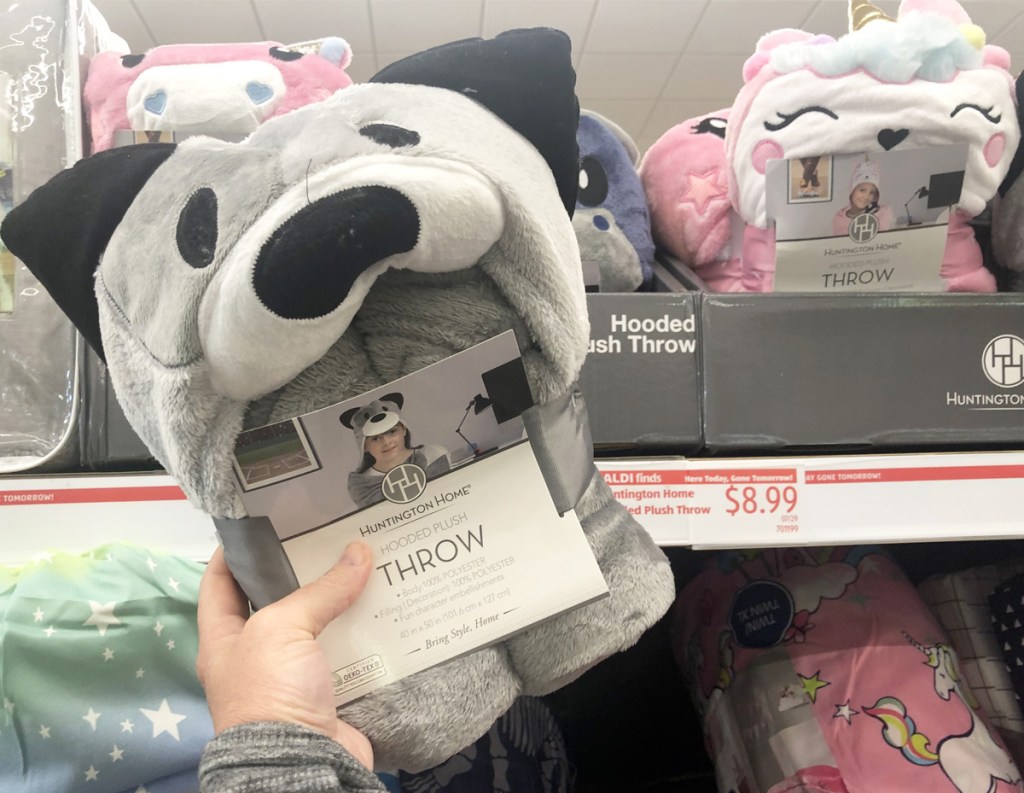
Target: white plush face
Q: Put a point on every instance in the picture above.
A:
(233, 97)
(801, 114)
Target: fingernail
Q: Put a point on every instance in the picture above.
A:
(355, 554)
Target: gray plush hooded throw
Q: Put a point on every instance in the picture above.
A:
(339, 247)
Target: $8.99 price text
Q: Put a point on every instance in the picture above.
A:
(752, 500)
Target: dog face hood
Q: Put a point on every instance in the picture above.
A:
(234, 271)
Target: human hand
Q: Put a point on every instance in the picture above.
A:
(268, 666)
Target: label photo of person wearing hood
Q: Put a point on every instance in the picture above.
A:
(385, 442)
(865, 195)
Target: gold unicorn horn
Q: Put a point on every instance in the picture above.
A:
(862, 12)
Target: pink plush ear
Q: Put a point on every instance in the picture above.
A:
(685, 181)
(766, 44)
(950, 9)
(107, 77)
(992, 55)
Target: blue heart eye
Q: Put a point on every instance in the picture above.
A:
(155, 103)
(258, 92)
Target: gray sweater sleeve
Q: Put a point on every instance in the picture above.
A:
(273, 757)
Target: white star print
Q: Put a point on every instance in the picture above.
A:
(102, 616)
(44, 730)
(164, 720)
(50, 631)
(139, 673)
(117, 754)
(127, 726)
(37, 615)
(173, 584)
(159, 627)
(91, 717)
(91, 774)
(151, 563)
(8, 705)
(108, 654)
(170, 644)
(844, 711)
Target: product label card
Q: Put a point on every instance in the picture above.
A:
(864, 222)
(435, 472)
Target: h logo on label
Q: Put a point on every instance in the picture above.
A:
(863, 228)
(404, 483)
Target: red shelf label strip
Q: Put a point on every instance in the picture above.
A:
(90, 495)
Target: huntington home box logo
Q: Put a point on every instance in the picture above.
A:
(1002, 362)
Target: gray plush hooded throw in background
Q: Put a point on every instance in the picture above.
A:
(339, 247)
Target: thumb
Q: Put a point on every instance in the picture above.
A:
(313, 606)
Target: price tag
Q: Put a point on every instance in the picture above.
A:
(755, 506)
(753, 500)
(654, 492)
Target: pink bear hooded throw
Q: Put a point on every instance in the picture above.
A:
(212, 89)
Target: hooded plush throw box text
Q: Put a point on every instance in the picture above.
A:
(339, 247)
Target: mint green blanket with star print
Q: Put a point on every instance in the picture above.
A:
(97, 673)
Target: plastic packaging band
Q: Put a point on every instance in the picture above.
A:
(256, 559)
(559, 433)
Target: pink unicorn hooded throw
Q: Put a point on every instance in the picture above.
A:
(926, 78)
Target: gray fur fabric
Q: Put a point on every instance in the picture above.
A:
(197, 354)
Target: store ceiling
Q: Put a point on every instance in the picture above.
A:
(648, 64)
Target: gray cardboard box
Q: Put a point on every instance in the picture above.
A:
(862, 372)
(641, 377)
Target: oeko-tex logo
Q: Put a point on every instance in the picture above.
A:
(404, 483)
(1003, 361)
(863, 228)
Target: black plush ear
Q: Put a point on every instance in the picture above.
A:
(1017, 164)
(61, 230)
(395, 399)
(523, 76)
(346, 417)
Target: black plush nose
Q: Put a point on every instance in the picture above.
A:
(307, 268)
(891, 138)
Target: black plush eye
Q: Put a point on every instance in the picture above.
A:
(390, 135)
(988, 112)
(197, 228)
(131, 61)
(593, 187)
(285, 55)
(711, 125)
(788, 118)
